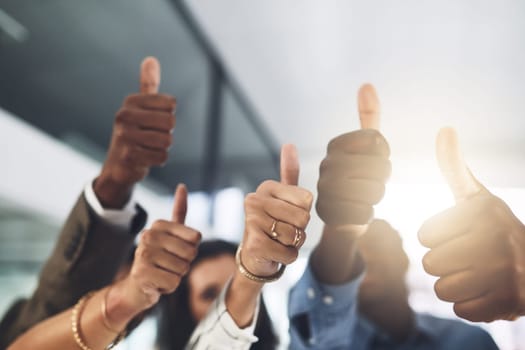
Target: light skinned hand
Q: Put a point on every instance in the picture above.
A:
(477, 247)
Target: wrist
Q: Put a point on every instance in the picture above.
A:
(110, 193)
(123, 303)
(241, 299)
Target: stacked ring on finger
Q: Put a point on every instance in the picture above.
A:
(297, 237)
(273, 233)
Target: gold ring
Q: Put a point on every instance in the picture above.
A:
(297, 238)
(272, 230)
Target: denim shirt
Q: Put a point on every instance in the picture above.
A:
(326, 317)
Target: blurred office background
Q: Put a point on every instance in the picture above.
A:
(250, 76)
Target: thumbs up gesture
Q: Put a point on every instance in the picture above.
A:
(276, 217)
(477, 247)
(142, 135)
(354, 171)
(162, 258)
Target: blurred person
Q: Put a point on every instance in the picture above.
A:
(101, 228)
(99, 319)
(181, 311)
(386, 319)
(477, 247)
(326, 309)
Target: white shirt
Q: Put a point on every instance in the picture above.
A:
(218, 331)
(119, 217)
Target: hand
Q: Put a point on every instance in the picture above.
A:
(354, 171)
(162, 258)
(286, 204)
(477, 246)
(142, 135)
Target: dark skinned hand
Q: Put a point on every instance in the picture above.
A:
(142, 135)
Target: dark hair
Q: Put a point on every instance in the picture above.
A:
(176, 323)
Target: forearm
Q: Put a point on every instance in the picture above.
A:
(242, 298)
(334, 260)
(56, 332)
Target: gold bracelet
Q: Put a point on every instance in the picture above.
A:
(261, 279)
(75, 322)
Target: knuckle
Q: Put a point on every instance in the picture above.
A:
(196, 237)
(157, 224)
(266, 185)
(121, 114)
(427, 264)
(147, 237)
(291, 256)
(250, 200)
(163, 157)
(305, 219)
(308, 198)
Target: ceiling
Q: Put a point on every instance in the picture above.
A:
(287, 72)
(69, 71)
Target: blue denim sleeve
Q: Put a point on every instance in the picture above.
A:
(322, 316)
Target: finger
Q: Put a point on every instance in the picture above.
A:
(462, 286)
(277, 230)
(361, 191)
(292, 194)
(285, 212)
(369, 107)
(141, 157)
(458, 254)
(364, 142)
(161, 121)
(344, 213)
(153, 140)
(487, 308)
(170, 263)
(149, 76)
(170, 243)
(355, 166)
(180, 204)
(158, 102)
(452, 222)
(179, 230)
(272, 250)
(453, 167)
(289, 165)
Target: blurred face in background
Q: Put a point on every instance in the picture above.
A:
(386, 263)
(206, 280)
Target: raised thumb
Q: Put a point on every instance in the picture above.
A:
(180, 204)
(369, 107)
(289, 165)
(460, 180)
(149, 76)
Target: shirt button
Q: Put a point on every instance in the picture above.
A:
(310, 292)
(328, 300)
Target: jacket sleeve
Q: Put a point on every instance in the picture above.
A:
(86, 257)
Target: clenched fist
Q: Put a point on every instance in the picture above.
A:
(276, 218)
(142, 135)
(355, 169)
(162, 258)
(477, 247)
